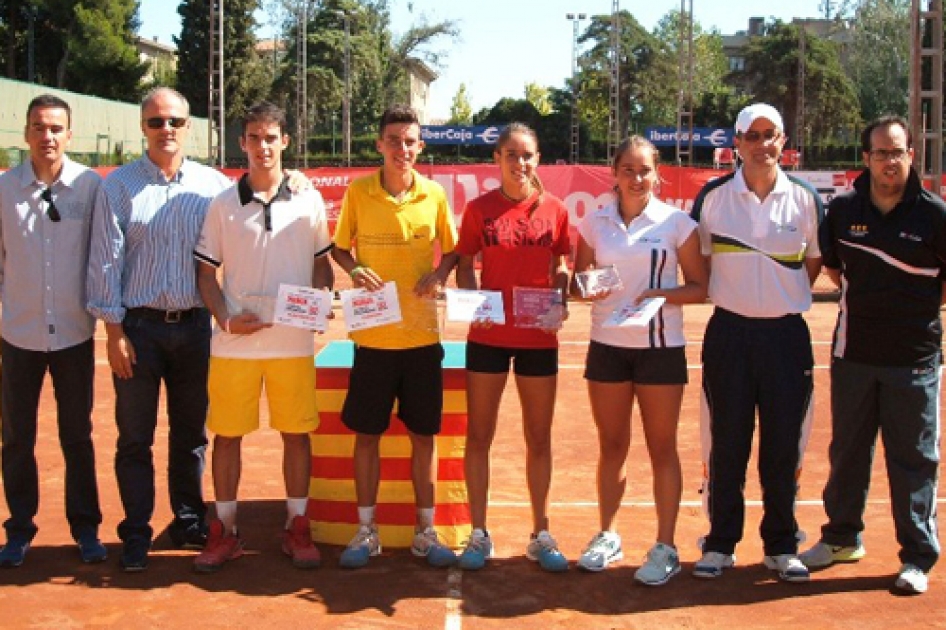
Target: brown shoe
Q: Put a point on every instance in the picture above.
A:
(297, 544)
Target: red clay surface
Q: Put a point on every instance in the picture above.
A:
(262, 590)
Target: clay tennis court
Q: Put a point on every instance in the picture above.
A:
(53, 589)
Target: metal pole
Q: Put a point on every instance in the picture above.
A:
(575, 18)
(222, 84)
(346, 108)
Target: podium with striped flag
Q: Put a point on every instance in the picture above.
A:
(332, 505)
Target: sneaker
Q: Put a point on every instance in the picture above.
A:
(297, 544)
(911, 580)
(221, 547)
(660, 564)
(603, 549)
(14, 552)
(134, 558)
(365, 544)
(427, 545)
(544, 550)
(477, 550)
(192, 536)
(789, 567)
(91, 549)
(823, 555)
(712, 563)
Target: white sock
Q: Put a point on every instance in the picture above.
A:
(227, 512)
(366, 515)
(425, 518)
(295, 507)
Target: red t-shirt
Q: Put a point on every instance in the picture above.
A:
(518, 244)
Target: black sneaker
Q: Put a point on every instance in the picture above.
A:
(134, 556)
(14, 552)
(193, 536)
(91, 550)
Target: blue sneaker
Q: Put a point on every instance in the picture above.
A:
(91, 549)
(544, 550)
(427, 545)
(365, 544)
(14, 552)
(478, 549)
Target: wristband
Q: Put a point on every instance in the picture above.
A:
(355, 271)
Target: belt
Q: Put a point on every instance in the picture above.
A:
(168, 317)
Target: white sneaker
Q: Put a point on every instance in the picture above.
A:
(365, 544)
(660, 564)
(712, 563)
(427, 545)
(603, 549)
(479, 549)
(789, 567)
(823, 555)
(543, 549)
(911, 579)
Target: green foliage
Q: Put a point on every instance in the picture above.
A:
(879, 58)
(245, 75)
(539, 97)
(86, 46)
(771, 72)
(461, 112)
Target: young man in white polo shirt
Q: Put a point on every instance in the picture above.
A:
(759, 229)
(262, 235)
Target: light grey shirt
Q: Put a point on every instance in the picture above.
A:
(144, 233)
(42, 262)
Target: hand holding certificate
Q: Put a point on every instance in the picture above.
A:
(303, 307)
(368, 309)
(598, 282)
(475, 306)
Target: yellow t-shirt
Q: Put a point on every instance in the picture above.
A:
(396, 240)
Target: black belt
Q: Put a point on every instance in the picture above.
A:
(168, 317)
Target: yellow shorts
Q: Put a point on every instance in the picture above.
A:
(234, 387)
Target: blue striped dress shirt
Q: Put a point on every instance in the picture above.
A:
(144, 232)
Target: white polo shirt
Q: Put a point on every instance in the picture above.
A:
(256, 259)
(758, 249)
(645, 255)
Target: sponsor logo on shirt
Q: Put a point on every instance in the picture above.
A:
(785, 227)
(911, 237)
(857, 230)
(650, 239)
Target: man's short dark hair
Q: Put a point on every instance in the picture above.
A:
(48, 100)
(397, 114)
(267, 112)
(884, 121)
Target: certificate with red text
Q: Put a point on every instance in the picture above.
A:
(464, 305)
(303, 307)
(368, 309)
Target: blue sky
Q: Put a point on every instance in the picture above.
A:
(508, 43)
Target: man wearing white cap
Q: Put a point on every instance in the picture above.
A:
(758, 227)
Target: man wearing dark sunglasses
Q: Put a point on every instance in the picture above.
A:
(45, 215)
(884, 245)
(759, 230)
(141, 283)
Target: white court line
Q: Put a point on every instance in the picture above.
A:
(697, 341)
(695, 366)
(453, 619)
(648, 504)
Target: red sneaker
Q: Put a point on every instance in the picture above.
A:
(297, 544)
(221, 547)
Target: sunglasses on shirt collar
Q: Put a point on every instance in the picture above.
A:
(158, 122)
(51, 209)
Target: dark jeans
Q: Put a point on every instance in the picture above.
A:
(22, 373)
(178, 354)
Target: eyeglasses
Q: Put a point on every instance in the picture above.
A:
(51, 209)
(158, 123)
(754, 136)
(882, 155)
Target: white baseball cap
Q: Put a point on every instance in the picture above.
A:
(752, 113)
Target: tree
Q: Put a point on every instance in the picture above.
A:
(460, 111)
(539, 97)
(831, 106)
(880, 57)
(245, 78)
(87, 46)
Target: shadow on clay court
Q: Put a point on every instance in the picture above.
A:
(508, 588)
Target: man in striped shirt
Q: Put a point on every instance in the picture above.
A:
(142, 284)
